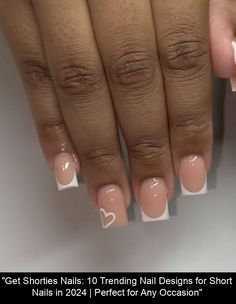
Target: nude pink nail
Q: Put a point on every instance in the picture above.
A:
(193, 175)
(233, 84)
(153, 200)
(233, 79)
(234, 50)
(65, 171)
(111, 204)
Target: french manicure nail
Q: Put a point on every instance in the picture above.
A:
(233, 84)
(234, 50)
(153, 200)
(111, 205)
(65, 172)
(193, 175)
(233, 79)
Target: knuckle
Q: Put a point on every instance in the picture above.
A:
(134, 70)
(150, 151)
(101, 157)
(184, 50)
(190, 125)
(52, 129)
(35, 72)
(79, 78)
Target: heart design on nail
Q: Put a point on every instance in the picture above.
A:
(108, 218)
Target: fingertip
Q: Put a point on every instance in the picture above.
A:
(221, 38)
(223, 55)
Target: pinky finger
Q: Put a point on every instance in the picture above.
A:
(22, 33)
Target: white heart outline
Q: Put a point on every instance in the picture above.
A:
(107, 214)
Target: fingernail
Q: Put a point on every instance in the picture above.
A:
(153, 200)
(233, 79)
(233, 84)
(65, 172)
(193, 175)
(234, 50)
(111, 204)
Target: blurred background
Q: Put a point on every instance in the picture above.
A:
(42, 229)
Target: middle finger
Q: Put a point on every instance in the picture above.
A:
(126, 38)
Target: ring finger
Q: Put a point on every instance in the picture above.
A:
(182, 29)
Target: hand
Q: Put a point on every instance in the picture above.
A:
(88, 64)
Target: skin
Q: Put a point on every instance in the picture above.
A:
(87, 65)
(222, 32)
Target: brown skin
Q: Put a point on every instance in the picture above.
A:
(86, 64)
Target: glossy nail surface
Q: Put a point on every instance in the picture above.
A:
(193, 175)
(65, 172)
(111, 205)
(153, 200)
(234, 50)
(233, 79)
(233, 84)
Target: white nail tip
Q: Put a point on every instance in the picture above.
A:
(185, 192)
(233, 84)
(72, 184)
(234, 48)
(163, 217)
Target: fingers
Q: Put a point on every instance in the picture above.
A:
(84, 99)
(18, 23)
(222, 29)
(126, 39)
(182, 38)
(68, 87)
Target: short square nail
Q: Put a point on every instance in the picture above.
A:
(233, 84)
(193, 175)
(153, 200)
(65, 172)
(163, 217)
(111, 204)
(233, 79)
(234, 50)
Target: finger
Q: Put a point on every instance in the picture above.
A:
(182, 35)
(85, 102)
(18, 23)
(223, 29)
(126, 40)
